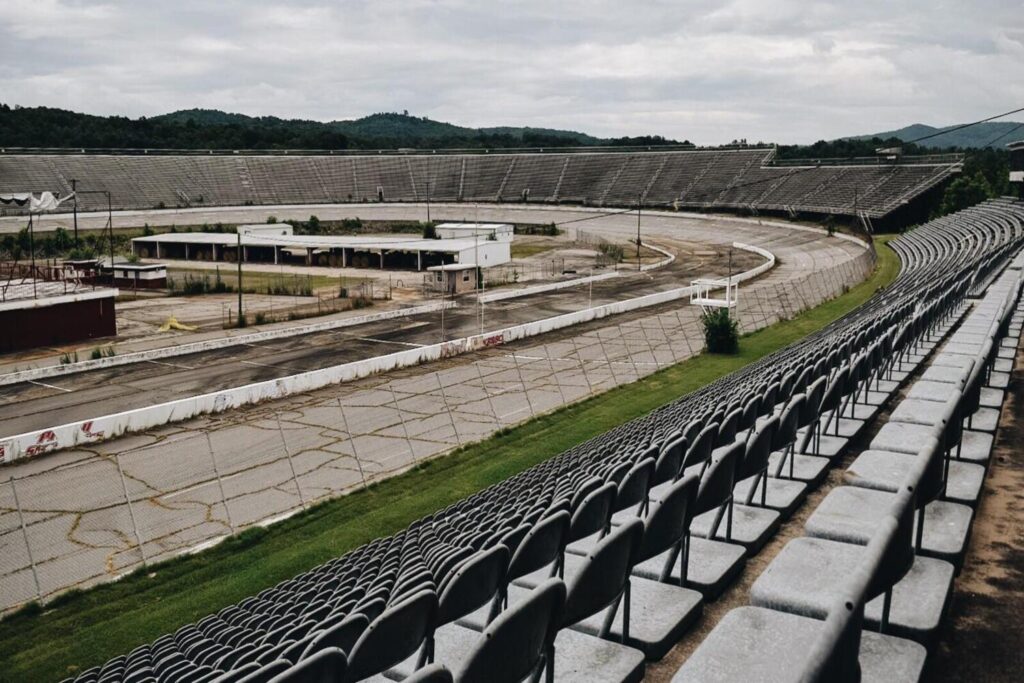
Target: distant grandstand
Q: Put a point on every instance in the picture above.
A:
(743, 179)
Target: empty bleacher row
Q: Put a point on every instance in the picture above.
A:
(700, 179)
(595, 561)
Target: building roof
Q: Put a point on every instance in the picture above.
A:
(473, 226)
(453, 266)
(139, 266)
(372, 242)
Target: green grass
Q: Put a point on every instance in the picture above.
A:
(85, 628)
(255, 280)
(525, 250)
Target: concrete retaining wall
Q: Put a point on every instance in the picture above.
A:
(219, 343)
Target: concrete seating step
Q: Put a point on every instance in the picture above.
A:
(775, 647)
(751, 526)
(809, 468)
(885, 471)
(784, 495)
(803, 579)
(851, 514)
(712, 567)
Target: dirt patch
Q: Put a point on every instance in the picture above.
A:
(982, 638)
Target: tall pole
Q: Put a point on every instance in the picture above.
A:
(74, 210)
(728, 286)
(428, 208)
(638, 198)
(110, 226)
(241, 316)
(32, 249)
(476, 274)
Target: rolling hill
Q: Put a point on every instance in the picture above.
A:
(992, 134)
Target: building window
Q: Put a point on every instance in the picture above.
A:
(465, 276)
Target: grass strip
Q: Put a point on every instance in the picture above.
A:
(83, 628)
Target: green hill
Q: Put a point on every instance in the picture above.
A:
(214, 129)
(994, 134)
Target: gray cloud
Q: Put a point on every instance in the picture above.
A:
(784, 70)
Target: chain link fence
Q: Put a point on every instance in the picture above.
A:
(71, 521)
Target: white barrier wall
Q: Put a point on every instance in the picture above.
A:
(500, 295)
(219, 343)
(44, 441)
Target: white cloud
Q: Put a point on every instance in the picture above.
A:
(786, 71)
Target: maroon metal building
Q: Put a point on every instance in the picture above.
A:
(28, 322)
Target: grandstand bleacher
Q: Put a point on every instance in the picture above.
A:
(615, 518)
(742, 179)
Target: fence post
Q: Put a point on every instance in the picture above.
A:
(352, 442)
(131, 511)
(526, 392)
(583, 367)
(220, 482)
(24, 533)
(487, 392)
(401, 416)
(291, 465)
(554, 374)
(607, 359)
(451, 418)
(629, 354)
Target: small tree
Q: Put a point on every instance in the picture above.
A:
(721, 333)
(964, 192)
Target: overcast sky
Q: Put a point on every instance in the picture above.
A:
(772, 70)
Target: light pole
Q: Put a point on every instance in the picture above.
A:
(638, 199)
(75, 209)
(241, 316)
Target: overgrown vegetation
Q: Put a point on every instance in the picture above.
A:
(87, 628)
(102, 352)
(613, 252)
(547, 229)
(721, 333)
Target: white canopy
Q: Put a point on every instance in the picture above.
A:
(44, 201)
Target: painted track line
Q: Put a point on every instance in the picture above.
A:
(49, 386)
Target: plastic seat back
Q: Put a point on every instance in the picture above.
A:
(603, 575)
(635, 485)
(670, 461)
(593, 513)
(342, 635)
(757, 450)
(326, 666)
(717, 483)
(514, 644)
(542, 546)
(668, 518)
(473, 584)
(393, 636)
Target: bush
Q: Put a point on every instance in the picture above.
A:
(721, 333)
(429, 231)
(261, 318)
(271, 219)
(612, 251)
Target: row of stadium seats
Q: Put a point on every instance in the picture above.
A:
(736, 178)
(588, 565)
